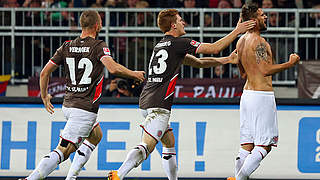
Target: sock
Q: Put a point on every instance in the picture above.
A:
(80, 159)
(169, 163)
(48, 164)
(242, 155)
(251, 163)
(134, 158)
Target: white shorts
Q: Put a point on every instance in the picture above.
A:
(156, 122)
(258, 118)
(79, 125)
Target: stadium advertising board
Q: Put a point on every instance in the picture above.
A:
(207, 141)
(192, 88)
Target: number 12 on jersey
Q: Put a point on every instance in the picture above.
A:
(161, 66)
(85, 64)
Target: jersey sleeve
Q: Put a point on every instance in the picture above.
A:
(188, 46)
(57, 58)
(103, 50)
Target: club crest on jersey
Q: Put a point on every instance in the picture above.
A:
(194, 43)
(106, 51)
(159, 133)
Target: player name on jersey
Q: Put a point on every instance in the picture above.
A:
(164, 44)
(79, 49)
(156, 79)
(76, 89)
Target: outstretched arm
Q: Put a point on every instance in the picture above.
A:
(117, 69)
(207, 62)
(216, 47)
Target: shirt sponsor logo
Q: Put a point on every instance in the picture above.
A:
(168, 43)
(195, 43)
(106, 51)
(79, 49)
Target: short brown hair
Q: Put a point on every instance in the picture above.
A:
(249, 10)
(89, 19)
(165, 18)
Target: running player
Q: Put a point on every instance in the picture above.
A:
(157, 95)
(84, 59)
(258, 115)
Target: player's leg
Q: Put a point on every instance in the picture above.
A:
(84, 152)
(264, 119)
(244, 151)
(169, 161)
(50, 162)
(135, 156)
(252, 162)
(154, 126)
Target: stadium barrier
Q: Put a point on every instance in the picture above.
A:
(30, 36)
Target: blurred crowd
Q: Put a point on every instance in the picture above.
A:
(126, 47)
(154, 4)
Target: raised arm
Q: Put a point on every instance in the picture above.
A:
(216, 47)
(207, 62)
(264, 60)
(117, 69)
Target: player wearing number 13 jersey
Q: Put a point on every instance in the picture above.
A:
(157, 95)
(84, 60)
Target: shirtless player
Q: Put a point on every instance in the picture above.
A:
(258, 116)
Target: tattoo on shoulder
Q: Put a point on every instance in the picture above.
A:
(261, 53)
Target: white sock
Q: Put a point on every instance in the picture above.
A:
(242, 155)
(48, 164)
(251, 163)
(169, 163)
(80, 159)
(134, 158)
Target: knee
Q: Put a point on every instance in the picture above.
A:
(66, 148)
(169, 144)
(142, 148)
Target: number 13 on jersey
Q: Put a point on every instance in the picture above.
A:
(160, 57)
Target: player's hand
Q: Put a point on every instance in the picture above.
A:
(294, 59)
(243, 27)
(46, 101)
(139, 76)
(234, 59)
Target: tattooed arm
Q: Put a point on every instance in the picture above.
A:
(264, 59)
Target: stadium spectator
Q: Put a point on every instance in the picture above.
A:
(267, 4)
(315, 17)
(111, 89)
(286, 4)
(10, 3)
(5, 20)
(138, 45)
(223, 19)
(191, 18)
(219, 72)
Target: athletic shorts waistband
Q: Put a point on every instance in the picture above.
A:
(258, 92)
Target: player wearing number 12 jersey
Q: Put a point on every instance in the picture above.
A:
(84, 60)
(157, 95)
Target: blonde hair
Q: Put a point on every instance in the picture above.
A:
(165, 18)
